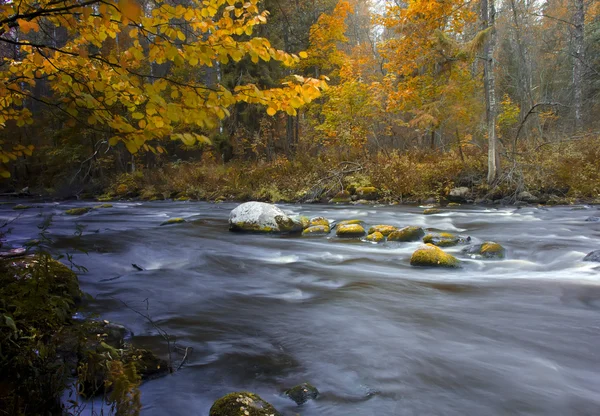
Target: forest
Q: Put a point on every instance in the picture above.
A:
(286, 100)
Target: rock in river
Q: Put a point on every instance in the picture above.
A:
(261, 217)
(376, 237)
(302, 393)
(430, 255)
(316, 230)
(383, 229)
(410, 233)
(593, 256)
(242, 404)
(350, 230)
(488, 250)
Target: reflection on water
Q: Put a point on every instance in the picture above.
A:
(376, 336)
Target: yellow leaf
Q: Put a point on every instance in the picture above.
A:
(271, 111)
(137, 115)
(303, 55)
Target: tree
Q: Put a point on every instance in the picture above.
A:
(101, 60)
(578, 21)
(488, 16)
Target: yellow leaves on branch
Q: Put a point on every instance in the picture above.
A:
(101, 76)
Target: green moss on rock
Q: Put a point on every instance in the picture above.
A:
(103, 206)
(342, 197)
(375, 237)
(319, 221)
(383, 229)
(242, 404)
(350, 222)
(302, 393)
(369, 193)
(350, 231)
(445, 239)
(430, 211)
(21, 207)
(410, 233)
(429, 255)
(488, 250)
(78, 211)
(173, 221)
(316, 230)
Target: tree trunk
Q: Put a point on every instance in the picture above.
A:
(578, 57)
(488, 14)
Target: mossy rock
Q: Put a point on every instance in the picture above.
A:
(104, 198)
(302, 393)
(173, 221)
(78, 211)
(369, 193)
(350, 231)
(410, 233)
(183, 199)
(445, 239)
(375, 237)
(303, 220)
(429, 255)
(383, 229)
(453, 204)
(430, 211)
(488, 250)
(319, 221)
(103, 206)
(21, 207)
(342, 197)
(350, 222)
(242, 404)
(316, 230)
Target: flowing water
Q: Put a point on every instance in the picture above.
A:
(376, 336)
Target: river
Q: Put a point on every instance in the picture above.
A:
(519, 336)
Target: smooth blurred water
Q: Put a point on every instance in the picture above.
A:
(376, 336)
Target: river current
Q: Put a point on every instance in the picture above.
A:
(377, 337)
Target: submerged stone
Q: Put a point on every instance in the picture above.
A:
(488, 250)
(593, 256)
(430, 211)
(383, 229)
(375, 237)
(429, 255)
(242, 404)
(21, 207)
(350, 231)
(316, 230)
(261, 217)
(302, 393)
(445, 239)
(78, 211)
(173, 221)
(410, 233)
(103, 206)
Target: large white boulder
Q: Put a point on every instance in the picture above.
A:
(261, 217)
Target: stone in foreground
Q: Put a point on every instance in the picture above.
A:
(487, 250)
(242, 404)
(302, 393)
(429, 255)
(410, 233)
(319, 221)
(350, 231)
(262, 218)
